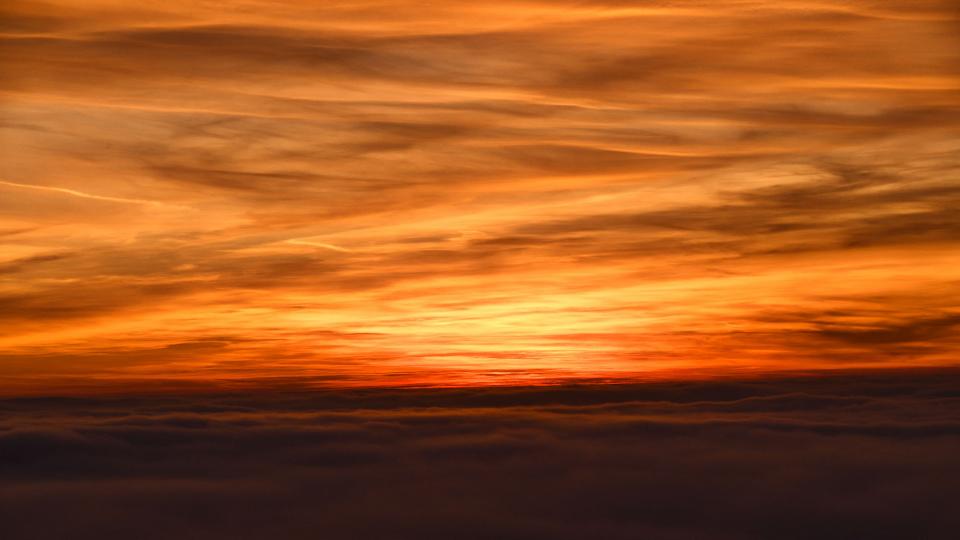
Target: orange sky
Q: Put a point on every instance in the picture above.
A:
(398, 192)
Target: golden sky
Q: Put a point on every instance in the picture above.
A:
(452, 193)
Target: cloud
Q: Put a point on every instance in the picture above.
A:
(832, 455)
(549, 188)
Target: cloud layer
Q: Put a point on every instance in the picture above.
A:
(867, 455)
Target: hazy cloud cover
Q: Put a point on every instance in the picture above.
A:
(861, 455)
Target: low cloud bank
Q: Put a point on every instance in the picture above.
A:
(870, 455)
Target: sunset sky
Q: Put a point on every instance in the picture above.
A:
(208, 194)
(479, 269)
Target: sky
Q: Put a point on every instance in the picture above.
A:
(483, 270)
(367, 193)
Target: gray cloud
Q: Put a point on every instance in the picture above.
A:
(870, 454)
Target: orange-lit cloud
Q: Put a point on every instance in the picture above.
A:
(392, 192)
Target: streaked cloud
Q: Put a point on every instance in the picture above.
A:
(442, 193)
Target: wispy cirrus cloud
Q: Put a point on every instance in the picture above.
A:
(602, 188)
